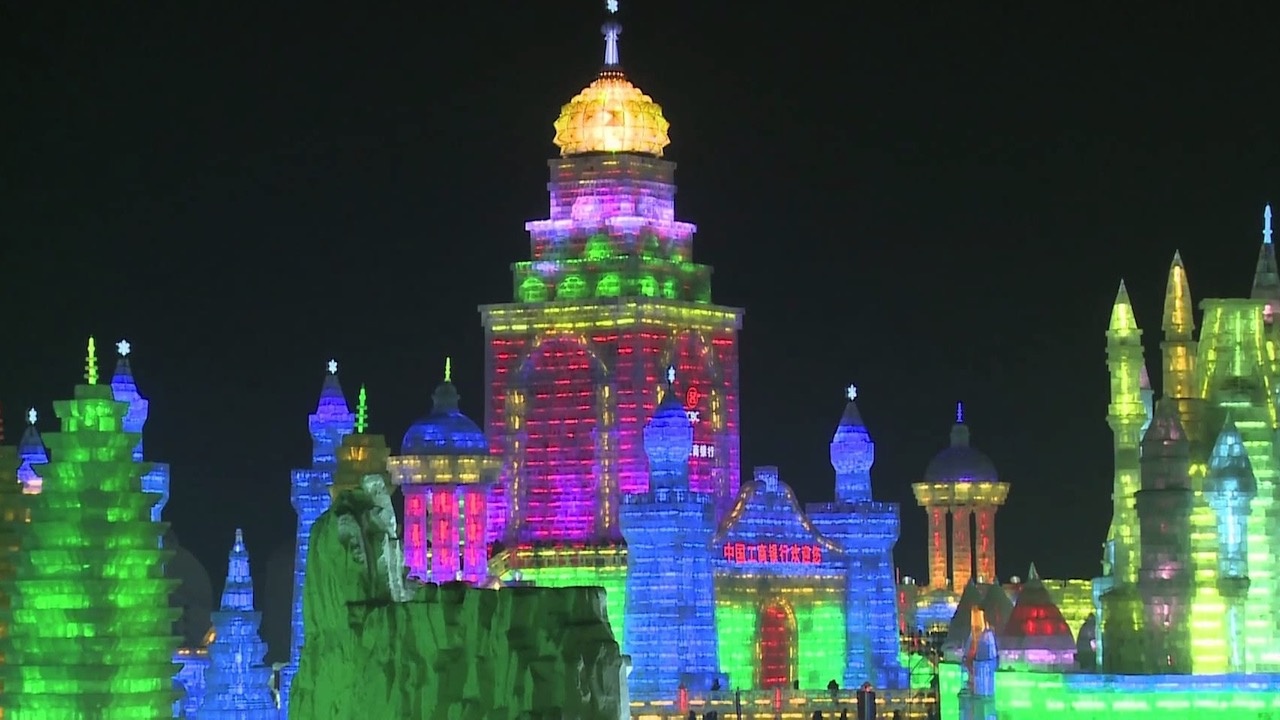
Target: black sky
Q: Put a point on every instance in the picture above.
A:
(936, 203)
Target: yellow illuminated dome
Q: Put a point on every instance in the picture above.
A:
(611, 115)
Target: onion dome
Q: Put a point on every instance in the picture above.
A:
(960, 462)
(852, 450)
(668, 436)
(445, 431)
(611, 115)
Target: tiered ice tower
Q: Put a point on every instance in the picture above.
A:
(866, 532)
(89, 613)
(329, 424)
(31, 454)
(12, 519)
(446, 473)
(671, 629)
(238, 684)
(609, 299)
(125, 390)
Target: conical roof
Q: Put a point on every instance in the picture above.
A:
(852, 449)
(961, 622)
(332, 404)
(1036, 623)
(997, 606)
(237, 593)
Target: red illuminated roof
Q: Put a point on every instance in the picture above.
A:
(1036, 623)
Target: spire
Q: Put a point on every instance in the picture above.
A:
(445, 398)
(1144, 378)
(1179, 321)
(237, 594)
(122, 379)
(362, 411)
(1123, 322)
(333, 402)
(1229, 464)
(611, 30)
(31, 451)
(91, 364)
(960, 433)
(1266, 276)
(1032, 574)
(851, 418)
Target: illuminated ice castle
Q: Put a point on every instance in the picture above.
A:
(609, 452)
(1192, 557)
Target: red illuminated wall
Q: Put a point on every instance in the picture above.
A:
(556, 491)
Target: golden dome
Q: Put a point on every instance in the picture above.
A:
(611, 115)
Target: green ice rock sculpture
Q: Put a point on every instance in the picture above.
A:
(379, 646)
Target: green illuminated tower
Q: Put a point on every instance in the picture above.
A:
(1126, 415)
(89, 606)
(11, 517)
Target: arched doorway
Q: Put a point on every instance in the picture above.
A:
(777, 645)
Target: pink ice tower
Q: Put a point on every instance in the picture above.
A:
(446, 473)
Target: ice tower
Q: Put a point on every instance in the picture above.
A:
(445, 472)
(1226, 373)
(238, 684)
(609, 298)
(1164, 515)
(1231, 489)
(865, 531)
(31, 454)
(125, 390)
(329, 424)
(89, 608)
(670, 629)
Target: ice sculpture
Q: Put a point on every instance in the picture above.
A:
(237, 684)
(448, 650)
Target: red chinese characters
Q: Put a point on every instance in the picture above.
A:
(771, 553)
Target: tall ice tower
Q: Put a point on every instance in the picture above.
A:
(609, 298)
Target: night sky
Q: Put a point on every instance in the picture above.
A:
(935, 204)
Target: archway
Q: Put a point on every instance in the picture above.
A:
(777, 645)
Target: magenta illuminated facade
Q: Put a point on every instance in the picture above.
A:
(609, 300)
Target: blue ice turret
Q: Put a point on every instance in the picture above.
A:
(332, 421)
(238, 684)
(866, 532)
(124, 389)
(1231, 487)
(31, 451)
(670, 626)
(852, 454)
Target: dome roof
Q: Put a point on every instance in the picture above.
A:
(961, 462)
(668, 436)
(446, 431)
(611, 115)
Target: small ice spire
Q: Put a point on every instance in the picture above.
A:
(123, 347)
(332, 367)
(91, 363)
(448, 370)
(362, 411)
(612, 29)
(959, 413)
(851, 392)
(1266, 224)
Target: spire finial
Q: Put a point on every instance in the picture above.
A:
(612, 29)
(448, 369)
(239, 544)
(1266, 224)
(362, 411)
(959, 413)
(31, 416)
(332, 366)
(851, 392)
(671, 376)
(123, 347)
(91, 363)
